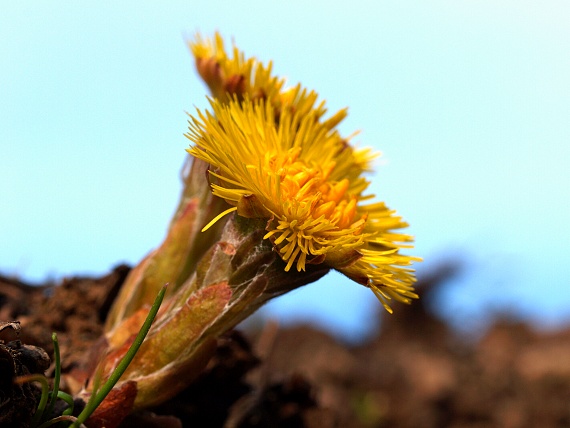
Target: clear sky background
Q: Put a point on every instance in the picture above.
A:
(469, 102)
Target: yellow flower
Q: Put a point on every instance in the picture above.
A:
(234, 76)
(273, 156)
(227, 75)
(296, 171)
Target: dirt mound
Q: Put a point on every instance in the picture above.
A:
(417, 372)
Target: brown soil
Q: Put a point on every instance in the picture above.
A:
(417, 372)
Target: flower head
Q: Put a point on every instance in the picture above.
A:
(273, 155)
(227, 75)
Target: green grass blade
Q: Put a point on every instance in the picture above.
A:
(43, 399)
(92, 404)
(57, 374)
(69, 400)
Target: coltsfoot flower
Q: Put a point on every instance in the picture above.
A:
(293, 169)
(234, 75)
(285, 202)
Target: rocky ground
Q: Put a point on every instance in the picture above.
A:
(416, 372)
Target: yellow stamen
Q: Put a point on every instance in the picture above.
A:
(219, 216)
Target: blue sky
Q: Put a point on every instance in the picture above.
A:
(469, 102)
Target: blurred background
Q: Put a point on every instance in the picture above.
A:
(469, 103)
